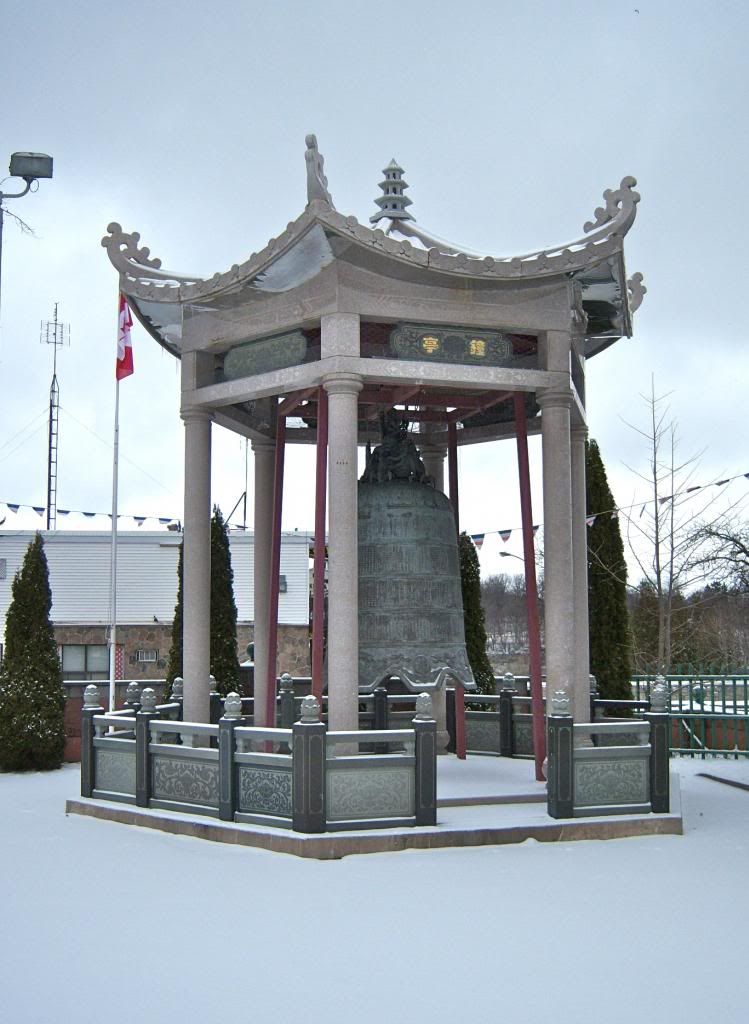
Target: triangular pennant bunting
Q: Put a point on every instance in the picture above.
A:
(477, 538)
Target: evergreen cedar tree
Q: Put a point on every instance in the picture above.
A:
(174, 665)
(32, 699)
(224, 661)
(473, 614)
(610, 638)
(223, 655)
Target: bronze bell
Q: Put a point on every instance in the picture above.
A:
(410, 599)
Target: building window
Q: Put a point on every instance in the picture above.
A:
(147, 655)
(85, 661)
(3, 568)
(282, 587)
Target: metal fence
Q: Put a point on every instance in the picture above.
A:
(709, 713)
(716, 694)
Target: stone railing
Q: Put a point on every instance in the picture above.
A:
(609, 777)
(498, 726)
(302, 777)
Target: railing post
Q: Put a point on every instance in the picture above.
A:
(460, 722)
(425, 729)
(510, 683)
(178, 694)
(286, 710)
(286, 714)
(308, 768)
(380, 708)
(91, 707)
(216, 703)
(660, 724)
(132, 697)
(593, 682)
(142, 739)
(381, 716)
(660, 682)
(506, 731)
(227, 774)
(450, 718)
(559, 751)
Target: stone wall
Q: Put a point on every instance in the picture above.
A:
(293, 646)
(153, 636)
(294, 650)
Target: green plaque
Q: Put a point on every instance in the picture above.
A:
(254, 357)
(451, 345)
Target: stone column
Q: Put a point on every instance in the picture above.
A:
(343, 570)
(581, 689)
(433, 455)
(196, 567)
(264, 453)
(558, 568)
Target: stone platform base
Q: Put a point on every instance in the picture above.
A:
(465, 825)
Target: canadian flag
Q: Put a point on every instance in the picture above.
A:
(124, 344)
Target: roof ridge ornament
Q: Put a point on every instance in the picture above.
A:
(123, 246)
(317, 183)
(636, 290)
(620, 206)
(392, 202)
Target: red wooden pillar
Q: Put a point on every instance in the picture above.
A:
(275, 572)
(318, 599)
(452, 472)
(531, 590)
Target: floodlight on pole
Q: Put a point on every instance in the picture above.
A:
(31, 167)
(509, 554)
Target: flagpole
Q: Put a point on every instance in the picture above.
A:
(113, 554)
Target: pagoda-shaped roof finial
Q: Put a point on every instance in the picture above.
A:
(392, 202)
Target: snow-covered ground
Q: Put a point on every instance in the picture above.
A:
(103, 922)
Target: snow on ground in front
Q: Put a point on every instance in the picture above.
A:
(101, 922)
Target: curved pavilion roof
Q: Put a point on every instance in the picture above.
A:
(397, 245)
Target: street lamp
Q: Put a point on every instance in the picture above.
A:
(509, 554)
(31, 167)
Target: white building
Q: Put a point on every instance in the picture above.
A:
(79, 571)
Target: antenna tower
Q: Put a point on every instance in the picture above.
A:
(55, 334)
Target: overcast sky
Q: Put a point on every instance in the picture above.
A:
(186, 121)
